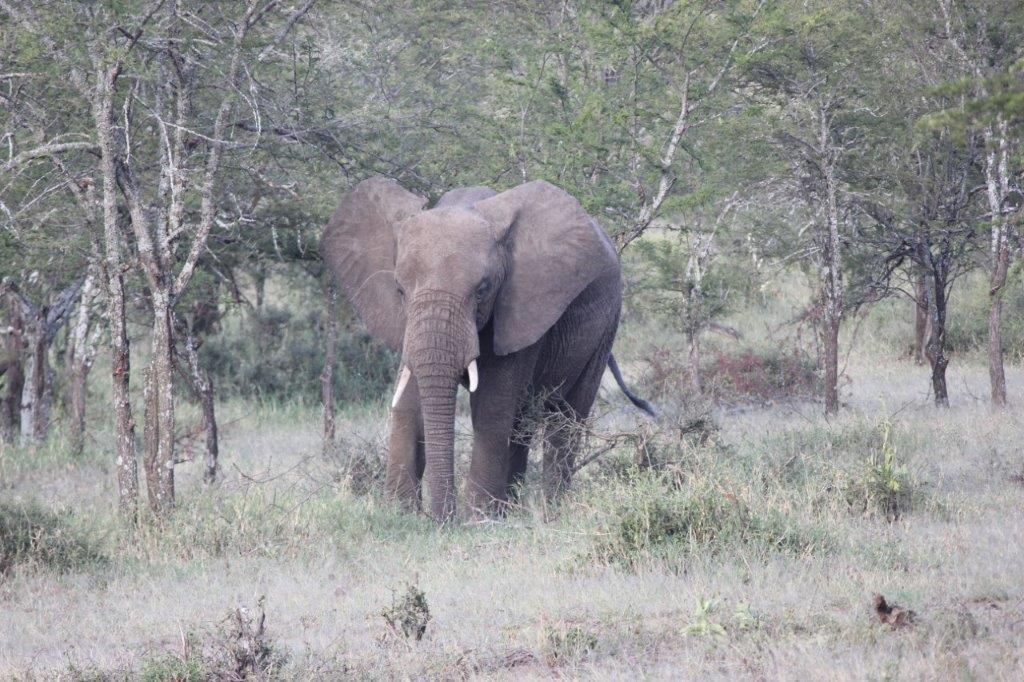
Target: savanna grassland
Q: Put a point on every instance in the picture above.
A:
(747, 541)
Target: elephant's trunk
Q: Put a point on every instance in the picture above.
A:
(440, 343)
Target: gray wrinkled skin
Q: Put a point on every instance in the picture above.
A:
(524, 282)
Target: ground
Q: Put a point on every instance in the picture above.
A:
(755, 553)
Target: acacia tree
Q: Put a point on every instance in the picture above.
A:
(607, 99)
(83, 343)
(985, 39)
(161, 82)
(928, 224)
(814, 84)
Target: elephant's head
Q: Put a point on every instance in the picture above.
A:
(426, 282)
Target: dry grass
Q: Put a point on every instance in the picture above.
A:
(746, 556)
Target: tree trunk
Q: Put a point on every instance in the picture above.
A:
(159, 424)
(996, 181)
(330, 362)
(832, 270)
(831, 343)
(34, 422)
(80, 356)
(14, 377)
(202, 385)
(693, 339)
(922, 320)
(77, 402)
(120, 356)
(996, 374)
(936, 348)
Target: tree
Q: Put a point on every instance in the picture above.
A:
(985, 39)
(815, 75)
(161, 82)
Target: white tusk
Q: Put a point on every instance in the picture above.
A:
(472, 376)
(403, 379)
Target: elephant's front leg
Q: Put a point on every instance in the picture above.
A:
(489, 469)
(405, 449)
(494, 406)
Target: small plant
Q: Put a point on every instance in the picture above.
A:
(566, 643)
(885, 488)
(744, 618)
(705, 625)
(408, 614)
(30, 534)
(237, 649)
(702, 624)
(357, 464)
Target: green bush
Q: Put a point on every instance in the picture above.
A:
(408, 614)
(238, 648)
(660, 520)
(279, 353)
(32, 535)
(967, 320)
(884, 487)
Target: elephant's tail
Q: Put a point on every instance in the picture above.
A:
(633, 397)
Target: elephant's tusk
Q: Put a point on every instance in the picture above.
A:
(403, 379)
(472, 376)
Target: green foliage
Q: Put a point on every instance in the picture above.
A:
(967, 329)
(278, 353)
(707, 623)
(664, 519)
(884, 487)
(566, 643)
(764, 374)
(703, 625)
(32, 535)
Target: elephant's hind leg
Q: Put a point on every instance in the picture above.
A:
(566, 424)
(519, 455)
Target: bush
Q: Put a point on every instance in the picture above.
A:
(237, 649)
(564, 643)
(661, 519)
(408, 614)
(279, 353)
(357, 464)
(736, 376)
(885, 487)
(32, 535)
(967, 325)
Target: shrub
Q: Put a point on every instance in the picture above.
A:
(408, 614)
(357, 464)
(279, 353)
(884, 488)
(967, 326)
(30, 534)
(687, 518)
(237, 649)
(565, 643)
(737, 376)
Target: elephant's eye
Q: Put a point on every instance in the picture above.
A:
(401, 293)
(483, 290)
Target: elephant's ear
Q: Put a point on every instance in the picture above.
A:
(556, 250)
(359, 247)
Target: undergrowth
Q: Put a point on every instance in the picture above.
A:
(31, 535)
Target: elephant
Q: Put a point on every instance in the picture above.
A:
(513, 295)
